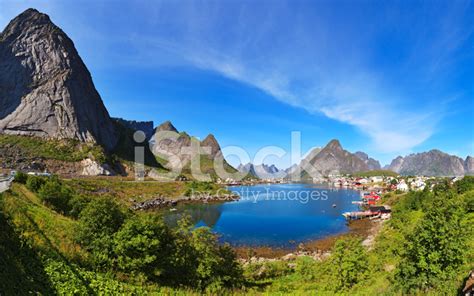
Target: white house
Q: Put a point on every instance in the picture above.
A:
(376, 179)
(402, 186)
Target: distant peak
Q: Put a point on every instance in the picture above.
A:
(334, 144)
(210, 141)
(210, 138)
(166, 126)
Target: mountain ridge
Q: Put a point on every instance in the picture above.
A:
(47, 91)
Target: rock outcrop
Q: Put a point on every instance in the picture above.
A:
(332, 159)
(145, 126)
(431, 163)
(372, 164)
(45, 88)
(177, 149)
(93, 168)
(469, 166)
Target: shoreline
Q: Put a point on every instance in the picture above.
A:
(365, 229)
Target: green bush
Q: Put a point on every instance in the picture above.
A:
(465, 184)
(348, 264)
(76, 204)
(98, 222)
(21, 177)
(199, 261)
(56, 195)
(437, 246)
(142, 246)
(34, 183)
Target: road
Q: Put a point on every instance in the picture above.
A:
(5, 183)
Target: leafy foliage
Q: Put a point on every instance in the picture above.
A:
(437, 246)
(34, 183)
(98, 222)
(21, 178)
(65, 149)
(142, 246)
(56, 195)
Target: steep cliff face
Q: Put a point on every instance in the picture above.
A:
(469, 166)
(431, 163)
(334, 159)
(45, 88)
(145, 126)
(371, 163)
(177, 149)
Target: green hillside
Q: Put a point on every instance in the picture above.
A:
(58, 239)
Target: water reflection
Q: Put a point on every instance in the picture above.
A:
(274, 214)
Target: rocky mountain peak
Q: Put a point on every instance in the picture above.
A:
(334, 145)
(166, 126)
(371, 163)
(431, 163)
(45, 88)
(210, 141)
(469, 166)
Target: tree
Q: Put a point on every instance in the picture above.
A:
(465, 184)
(34, 183)
(199, 261)
(98, 222)
(56, 195)
(347, 264)
(437, 245)
(21, 177)
(142, 246)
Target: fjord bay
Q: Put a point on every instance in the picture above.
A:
(278, 215)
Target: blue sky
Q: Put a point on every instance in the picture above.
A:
(385, 77)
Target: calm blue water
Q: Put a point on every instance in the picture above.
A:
(275, 215)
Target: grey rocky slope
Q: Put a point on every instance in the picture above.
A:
(175, 149)
(431, 163)
(146, 127)
(332, 159)
(45, 88)
(469, 166)
(371, 163)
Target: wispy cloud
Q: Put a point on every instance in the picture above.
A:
(378, 68)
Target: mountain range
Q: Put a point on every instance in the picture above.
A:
(47, 91)
(262, 171)
(432, 163)
(168, 143)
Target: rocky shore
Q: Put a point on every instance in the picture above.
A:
(162, 202)
(318, 249)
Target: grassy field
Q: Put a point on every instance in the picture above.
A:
(39, 252)
(126, 190)
(385, 173)
(64, 150)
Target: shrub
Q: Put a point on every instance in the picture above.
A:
(199, 261)
(141, 246)
(56, 195)
(76, 204)
(437, 246)
(34, 183)
(98, 222)
(347, 264)
(465, 184)
(21, 177)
